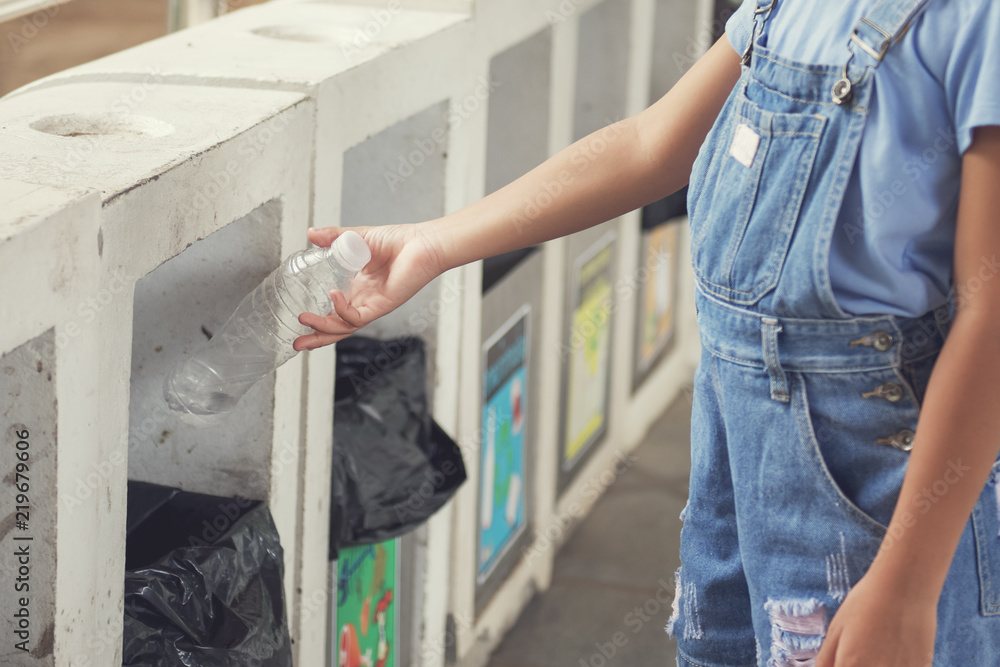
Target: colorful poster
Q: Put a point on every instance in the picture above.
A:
(656, 309)
(589, 351)
(367, 606)
(501, 469)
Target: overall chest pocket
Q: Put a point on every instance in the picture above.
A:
(747, 188)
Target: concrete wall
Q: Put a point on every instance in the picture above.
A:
(143, 194)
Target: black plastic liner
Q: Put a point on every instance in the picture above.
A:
(202, 582)
(393, 466)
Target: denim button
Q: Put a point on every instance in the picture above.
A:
(880, 340)
(890, 391)
(902, 440)
(842, 91)
(883, 341)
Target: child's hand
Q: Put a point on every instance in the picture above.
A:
(877, 626)
(404, 259)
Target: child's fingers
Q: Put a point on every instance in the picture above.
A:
(323, 236)
(307, 342)
(827, 656)
(330, 324)
(313, 341)
(327, 330)
(346, 311)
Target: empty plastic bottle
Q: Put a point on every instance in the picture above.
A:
(258, 336)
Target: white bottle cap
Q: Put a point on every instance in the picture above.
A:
(352, 251)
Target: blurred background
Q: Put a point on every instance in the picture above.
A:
(78, 31)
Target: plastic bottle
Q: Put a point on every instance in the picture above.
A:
(258, 336)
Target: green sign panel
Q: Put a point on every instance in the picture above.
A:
(367, 610)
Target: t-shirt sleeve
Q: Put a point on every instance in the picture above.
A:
(972, 74)
(739, 27)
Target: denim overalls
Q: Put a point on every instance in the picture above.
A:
(803, 415)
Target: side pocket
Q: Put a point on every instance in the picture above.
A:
(842, 428)
(986, 526)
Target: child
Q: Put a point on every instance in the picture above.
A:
(844, 164)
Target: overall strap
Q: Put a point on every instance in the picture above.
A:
(760, 16)
(871, 38)
(886, 23)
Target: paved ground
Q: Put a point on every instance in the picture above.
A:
(613, 584)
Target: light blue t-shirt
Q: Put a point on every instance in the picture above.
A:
(893, 247)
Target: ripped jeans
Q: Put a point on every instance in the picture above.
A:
(800, 437)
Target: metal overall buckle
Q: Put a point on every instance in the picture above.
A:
(843, 89)
(748, 52)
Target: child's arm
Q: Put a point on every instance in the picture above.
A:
(617, 169)
(889, 618)
(614, 170)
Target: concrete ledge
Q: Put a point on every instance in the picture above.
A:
(285, 44)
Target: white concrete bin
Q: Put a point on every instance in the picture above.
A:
(58, 471)
(495, 570)
(203, 191)
(377, 74)
(592, 274)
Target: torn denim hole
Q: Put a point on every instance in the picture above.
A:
(838, 579)
(797, 631)
(675, 607)
(692, 619)
(684, 511)
(686, 595)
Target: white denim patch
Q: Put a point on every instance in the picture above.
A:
(745, 143)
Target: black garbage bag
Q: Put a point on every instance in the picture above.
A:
(393, 466)
(202, 582)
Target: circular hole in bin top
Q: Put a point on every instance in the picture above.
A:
(102, 124)
(292, 33)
